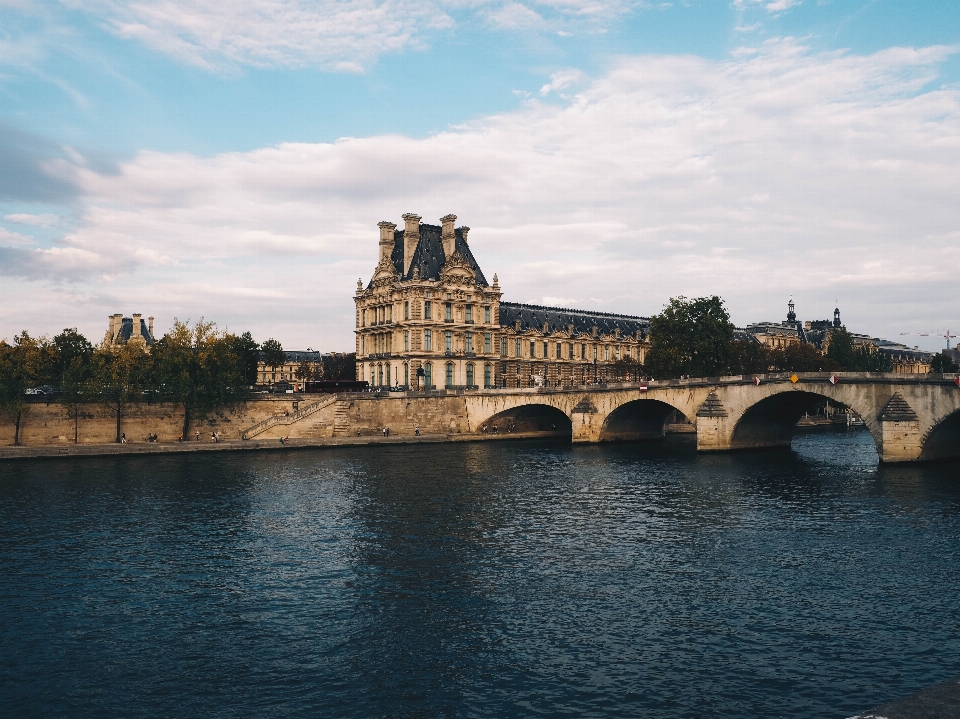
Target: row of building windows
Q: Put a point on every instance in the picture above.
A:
(384, 314)
(618, 352)
(380, 375)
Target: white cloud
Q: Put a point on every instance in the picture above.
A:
(14, 239)
(514, 16)
(561, 80)
(44, 220)
(331, 34)
(822, 175)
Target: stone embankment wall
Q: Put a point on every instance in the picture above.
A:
(48, 423)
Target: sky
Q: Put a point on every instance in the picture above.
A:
(231, 161)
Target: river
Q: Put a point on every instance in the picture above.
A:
(475, 580)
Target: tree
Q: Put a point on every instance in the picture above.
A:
(942, 363)
(690, 337)
(840, 349)
(74, 371)
(119, 377)
(867, 358)
(748, 357)
(198, 369)
(339, 365)
(248, 353)
(22, 365)
(304, 370)
(627, 368)
(805, 357)
(272, 354)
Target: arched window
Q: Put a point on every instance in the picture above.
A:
(428, 375)
(470, 374)
(487, 378)
(388, 376)
(380, 375)
(449, 377)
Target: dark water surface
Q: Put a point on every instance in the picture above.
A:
(489, 579)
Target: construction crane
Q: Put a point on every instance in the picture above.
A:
(936, 333)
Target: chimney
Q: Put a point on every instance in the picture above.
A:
(464, 231)
(150, 326)
(135, 332)
(411, 238)
(386, 239)
(115, 322)
(448, 235)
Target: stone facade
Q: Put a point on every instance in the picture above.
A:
(429, 319)
(128, 330)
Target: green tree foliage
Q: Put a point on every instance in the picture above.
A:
(248, 353)
(840, 349)
(73, 370)
(272, 353)
(855, 357)
(305, 371)
(749, 358)
(199, 369)
(805, 358)
(339, 365)
(119, 376)
(690, 337)
(627, 369)
(23, 364)
(942, 363)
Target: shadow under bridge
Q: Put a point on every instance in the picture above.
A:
(639, 420)
(530, 419)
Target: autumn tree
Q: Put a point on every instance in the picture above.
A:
(199, 369)
(23, 365)
(119, 376)
(73, 370)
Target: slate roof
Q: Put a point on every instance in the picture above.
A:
(126, 331)
(558, 319)
(428, 256)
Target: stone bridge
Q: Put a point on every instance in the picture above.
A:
(911, 417)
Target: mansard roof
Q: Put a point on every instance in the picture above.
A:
(559, 319)
(428, 257)
(126, 331)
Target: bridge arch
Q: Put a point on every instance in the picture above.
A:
(529, 418)
(943, 439)
(637, 420)
(772, 421)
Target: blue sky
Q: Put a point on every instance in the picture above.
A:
(181, 159)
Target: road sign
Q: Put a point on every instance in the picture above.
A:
(756, 381)
(794, 378)
(642, 388)
(834, 379)
(956, 381)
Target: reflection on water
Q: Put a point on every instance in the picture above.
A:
(503, 579)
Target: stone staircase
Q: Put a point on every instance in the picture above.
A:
(288, 419)
(341, 425)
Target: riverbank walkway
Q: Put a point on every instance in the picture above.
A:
(142, 448)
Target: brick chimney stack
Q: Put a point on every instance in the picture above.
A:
(150, 326)
(136, 333)
(448, 236)
(411, 238)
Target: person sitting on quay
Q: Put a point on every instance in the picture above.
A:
(123, 438)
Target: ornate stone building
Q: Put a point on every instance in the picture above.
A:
(429, 319)
(125, 330)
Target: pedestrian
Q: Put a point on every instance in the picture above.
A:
(198, 435)
(282, 441)
(180, 438)
(416, 431)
